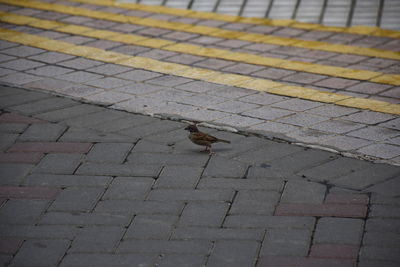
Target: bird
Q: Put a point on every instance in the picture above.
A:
(203, 139)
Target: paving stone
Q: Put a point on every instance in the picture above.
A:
(284, 242)
(384, 211)
(103, 44)
(79, 76)
(384, 151)
(368, 88)
(336, 83)
(157, 54)
(153, 128)
(238, 121)
(59, 163)
(304, 78)
(275, 127)
(222, 167)
(393, 124)
(22, 211)
(169, 80)
(197, 160)
(185, 59)
(281, 261)
(22, 51)
(191, 195)
(109, 152)
(268, 113)
(11, 128)
(374, 133)
(321, 210)
(14, 192)
(42, 132)
(157, 227)
(138, 75)
(190, 233)
(29, 158)
(19, 99)
(79, 63)
(19, 78)
(254, 202)
(58, 180)
(10, 246)
(41, 252)
(232, 43)
(109, 69)
(119, 169)
(165, 246)
(84, 218)
(243, 68)
(369, 117)
(241, 184)
(383, 239)
(334, 251)
(21, 64)
(51, 147)
(103, 259)
(233, 253)
(266, 221)
(81, 134)
(86, 121)
(172, 260)
(97, 239)
(209, 214)
(108, 83)
(386, 225)
(132, 188)
(44, 105)
(77, 199)
(296, 104)
(179, 177)
(303, 192)
(50, 84)
(273, 73)
(389, 187)
(302, 119)
(51, 57)
(69, 112)
(380, 253)
(214, 64)
(49, 71)
(7, 140)
(13, 174)
(327, 231)
(139, 207)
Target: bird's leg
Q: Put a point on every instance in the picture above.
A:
(210, 153)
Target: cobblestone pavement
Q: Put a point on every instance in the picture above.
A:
(89, 179)
(85, 185)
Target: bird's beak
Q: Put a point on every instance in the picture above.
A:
(187, 128)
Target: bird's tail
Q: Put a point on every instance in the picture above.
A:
(224, 141)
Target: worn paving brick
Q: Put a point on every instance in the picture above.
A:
(108, 82)
(233, 253)
(22, 211)
(61, 180)
(12, 128)
(139, 207)
(288, 242)
(334, 251)
(281, 261)
(19, 78)
(42, 132)
(93, 135)
(138, 75)
(172, 260)
(191, 195)
(84, 218)
(336, 83)
(179, 177)
(133, 188)
(214, 63)
(196, 232)
(242, 184)
(86, 121)
(22, 51)
(79, 76)
(151, 227)
(384, 211)
(107, 259)
(44, 105)
(380, 253)
(119, 169)
(374, 133)
(222, 167)
(347, 198)
(109, 152)
(165, 246)
(79, 63)
(303, 192)
(21, 64)
(338, 231)
(59, 163)
(254, 202)
(384, 151)
(49, 71)
(97, 239)
(51, 57)
(209, 214)
(383, 239)
(185, 59)
(77, 199)
(243, 68)
(321, 210)
(29, 192)
(302, 119)
(68, 112)
(266, 221)
(19, 99)
(268, 113)
(389, 187)
(41, 252)
(273, 73)
(51, 147)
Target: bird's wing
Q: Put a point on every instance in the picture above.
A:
(204, 137)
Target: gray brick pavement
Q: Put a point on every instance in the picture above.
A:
(147, 199)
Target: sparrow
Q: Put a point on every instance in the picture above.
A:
(203, 139)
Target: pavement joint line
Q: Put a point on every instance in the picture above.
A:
(132, 39)
(217, 77)
(208, 31)
(360, 30)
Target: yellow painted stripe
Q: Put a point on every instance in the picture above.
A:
(210, 31)
(197, 73)
(360, 30)
(333, 71)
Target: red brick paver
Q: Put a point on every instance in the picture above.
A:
(323, 210)
(10, 245)
(21, 157)
(334, 251)
(51, 147)
(16, 118)
(276, 261)
(29, 192)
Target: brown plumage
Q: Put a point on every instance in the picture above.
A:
(203, 139)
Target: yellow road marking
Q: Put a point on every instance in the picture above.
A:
(361, 30)
(210, 31)
(373, 76)
(197, 73)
